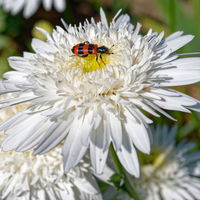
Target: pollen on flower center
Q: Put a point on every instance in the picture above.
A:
(156, 158)
(91, 62)
(160, 159)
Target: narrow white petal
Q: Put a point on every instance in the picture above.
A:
(52, 137)
(140, 104)
(60, 5)
(47, 4)
(157, 108)
(128, 156)
(178, 42)
(98, 158)
(115, 129)
(30, 8)
(176, 77)
(73, 150)
(87, 126)
(45, 33)
(19, 133)
(167, 192)
(106, 175)
(19, 117)
(182, 72)
(99, 148)
(103, 17)
(42, 47)
(35, 138)
(187, 63)
(87, 185)
(137, 132)
(174, 35)
(173, 100)
(18, 6)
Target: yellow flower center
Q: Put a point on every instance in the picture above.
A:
(157, 157)
(160, 159)
(92, 62)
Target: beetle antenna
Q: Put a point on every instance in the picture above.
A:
(111, 48)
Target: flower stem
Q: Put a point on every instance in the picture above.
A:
(117, 163)
(127, 182)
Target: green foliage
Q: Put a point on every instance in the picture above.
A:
(178, 17)
(117, 180)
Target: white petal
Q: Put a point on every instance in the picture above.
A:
(182, 72)
(137, 132)
(42, 47)
(174, 35)
(87, 126)
(157, 108)
(35, 138)
(14, 101)
(176, 77)
(99, 144)
(103, 17)
(53, 136)
(115, 129)
(140, 104)
(107, 173)
(187, 63)
(19, 133)
(175, 43)
(60, 5)
(30, 8)
(18, 6)
(98, 158)
(167, 193)
(73, 150)
(173, 100)
(47, 4)
(128, 156)
(89, 187)
(19, 117)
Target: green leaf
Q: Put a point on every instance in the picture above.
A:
(117, 180)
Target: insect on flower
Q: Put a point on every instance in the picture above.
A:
(96, 105)
(84, 49)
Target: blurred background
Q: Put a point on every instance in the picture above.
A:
(16, 33)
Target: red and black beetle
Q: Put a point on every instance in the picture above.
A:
(84, 49)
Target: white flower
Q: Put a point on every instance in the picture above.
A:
(25, 177)
(31, 6)
(169, 173)
(90, 103)
(28, 177)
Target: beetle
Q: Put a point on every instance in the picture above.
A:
(86, 48)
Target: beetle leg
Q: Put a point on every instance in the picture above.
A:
(97, 59)
(102, 59)
(78, 55)
(83, 55)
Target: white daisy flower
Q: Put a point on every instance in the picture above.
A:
(91, 102)
(31, 6)
(170, 172)
(25, 177)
